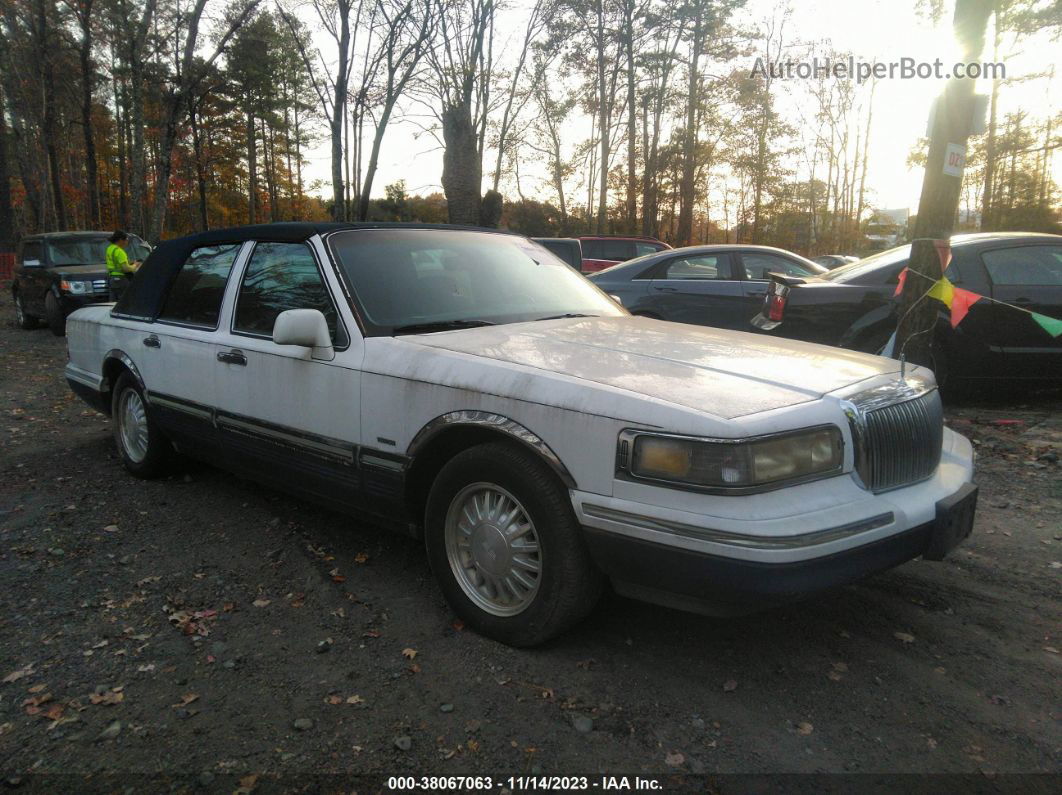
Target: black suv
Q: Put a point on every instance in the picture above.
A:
(58, 272)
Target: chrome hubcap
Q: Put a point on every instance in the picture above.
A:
(132, 425)
(493, 549)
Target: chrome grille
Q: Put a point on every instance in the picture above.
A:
(901, 442)
(100, 286)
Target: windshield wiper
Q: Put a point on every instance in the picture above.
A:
(565, 315)
(439, 325)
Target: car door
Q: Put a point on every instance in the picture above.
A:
(175, 353)
(33, 277)
(698, 288)
(285, 416)
(1028, 277)
(756, 265)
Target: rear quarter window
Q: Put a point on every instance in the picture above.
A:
(1025, 265)
(195, 295)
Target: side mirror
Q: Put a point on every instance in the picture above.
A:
(616, 298)
(306, 328)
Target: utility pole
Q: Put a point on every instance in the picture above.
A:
(941, 187)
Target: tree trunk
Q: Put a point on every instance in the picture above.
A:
(200, 175)
(987, 209)
(940, 192)
(687, 187)
(87, 84)
(603, 100)
(7, 230)
(462, 175)
(252, 171)
(632, 127)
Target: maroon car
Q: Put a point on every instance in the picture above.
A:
(604, 251)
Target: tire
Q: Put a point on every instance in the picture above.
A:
(497, 478)
(22, 320)
(145, 452)
(53, 312)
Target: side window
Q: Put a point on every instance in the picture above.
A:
(31, 252)
(640, 249)
(757, 266)
(704, 266)
(608, 249)
(196, 293)
(283, 276)
(1025, 265)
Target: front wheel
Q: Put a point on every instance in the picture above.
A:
(24, 321)
(145, 451)
(53, 311)
(505, 546)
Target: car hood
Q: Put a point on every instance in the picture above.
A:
(80, 271)
(724, 373)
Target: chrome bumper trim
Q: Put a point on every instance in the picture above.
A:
(801, 541)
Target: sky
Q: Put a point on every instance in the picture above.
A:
(883, 30)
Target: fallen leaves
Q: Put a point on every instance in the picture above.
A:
(730, 685)
(336, 576)
(191, 622)
(675, 759)
(837, 671)
(804, 728)
(904, 637)
(111, 528)
(260, 602)
(361, 557)
(21, 673)
(186, 699)
(107, 698)
(335, 699)
(409, 654)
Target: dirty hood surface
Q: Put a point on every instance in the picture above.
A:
(725, 373)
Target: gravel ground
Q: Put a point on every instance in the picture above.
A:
(205, 631)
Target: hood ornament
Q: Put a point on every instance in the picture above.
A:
(903, 366)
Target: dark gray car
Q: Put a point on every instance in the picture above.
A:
(720, 285)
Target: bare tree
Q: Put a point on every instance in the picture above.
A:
(462, 67)
(404, 35)
(332, 93)
(189, 74)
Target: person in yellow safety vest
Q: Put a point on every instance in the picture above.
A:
(119, 270)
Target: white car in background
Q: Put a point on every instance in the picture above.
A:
(470, 388)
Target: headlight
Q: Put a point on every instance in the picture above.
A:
(738, 464)
(74, 287)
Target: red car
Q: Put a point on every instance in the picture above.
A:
(601, 251)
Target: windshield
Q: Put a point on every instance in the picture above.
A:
(425, 278)
(854, 270)
(77, 250)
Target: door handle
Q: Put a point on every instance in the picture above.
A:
(666, 289)
(152, 342)
(232, 357)
(1023, 300)
(756, 293)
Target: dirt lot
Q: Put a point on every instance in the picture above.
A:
(207, 631)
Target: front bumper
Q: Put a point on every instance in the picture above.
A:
(766, 550)
(71, 303)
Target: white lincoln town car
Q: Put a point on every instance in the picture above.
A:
(469, 388)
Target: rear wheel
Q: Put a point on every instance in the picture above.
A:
(145, 451)
(53, 311)
(23, 320)
(505, 546)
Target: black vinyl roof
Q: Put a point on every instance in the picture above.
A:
(143, 298)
